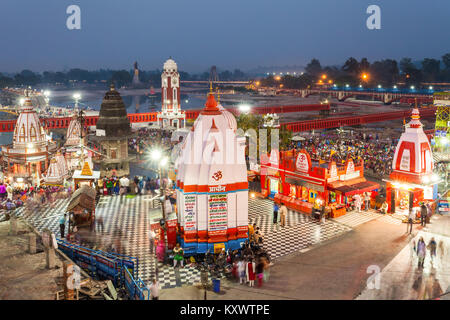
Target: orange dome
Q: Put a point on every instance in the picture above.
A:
(211, 106)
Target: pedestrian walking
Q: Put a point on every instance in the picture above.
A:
(260, 272)
(283, 214)
(411, 218)
(100, 225)
(241, 266)
(154, 289)
(275, 213)
(250, 270)
(432, 245)
(423, 215)
(151, 237)
(366, 201)
(358, 202)
(62, 225)
(421, 251)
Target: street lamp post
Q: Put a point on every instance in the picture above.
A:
(157, 155)
(77, 97)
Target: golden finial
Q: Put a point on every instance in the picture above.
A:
(218, 95)
(210, 87)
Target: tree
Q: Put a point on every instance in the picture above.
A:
(385, 72)
(121, 78)
(430, 69)
(364, 65)
(351, 66)
(313, 68)
(5, 81)
(446, 60)
(27, 77)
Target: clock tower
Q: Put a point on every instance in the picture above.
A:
(170, 114)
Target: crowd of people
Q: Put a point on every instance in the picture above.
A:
(376, 152)
(147, 138)
(13, 195)
(124, 185)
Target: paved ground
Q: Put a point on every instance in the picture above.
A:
(24, 276)
(132, 217)
(312, 260)
(336, 269)
(402, 279)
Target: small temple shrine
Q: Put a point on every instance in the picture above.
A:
(212, 185)
(412, 180)
(85, 177)
(113, 130)
(171, 114)
(58, 171)
(292, 178)
(75, 140)
(28, 156)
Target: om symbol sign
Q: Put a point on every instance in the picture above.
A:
(217, 176)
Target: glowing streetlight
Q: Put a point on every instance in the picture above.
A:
(347, 85)
(156, 154)
(77, 97)
(395, 87)
(324, 76)
(431, 88)
(379, 86)
(244, 108)
(365, 76)
(164, 161)
(22, 101)
(412, 87)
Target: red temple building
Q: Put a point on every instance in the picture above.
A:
(412, 179)
(292, 178)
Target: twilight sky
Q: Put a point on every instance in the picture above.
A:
(227, 33)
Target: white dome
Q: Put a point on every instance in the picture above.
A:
(232, 123)
(28, 128)
(73, 133)
(170, 65)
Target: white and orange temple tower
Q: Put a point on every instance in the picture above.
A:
(171, 114)
(28, 156)
(412, 179)
(212, 185)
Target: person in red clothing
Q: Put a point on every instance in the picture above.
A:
(250, 271)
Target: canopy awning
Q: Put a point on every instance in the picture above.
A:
(350, 190)
(299, 182)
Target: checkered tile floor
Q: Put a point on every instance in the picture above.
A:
(300, 231)
(354, 218)
(132, 217)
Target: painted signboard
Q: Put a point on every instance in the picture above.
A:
(217, 213)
